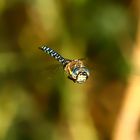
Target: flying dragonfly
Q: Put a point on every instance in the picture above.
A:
(75, 69)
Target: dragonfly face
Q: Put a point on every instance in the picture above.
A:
(81, 74)
(75, 69)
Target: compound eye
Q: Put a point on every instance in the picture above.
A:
(80, 74)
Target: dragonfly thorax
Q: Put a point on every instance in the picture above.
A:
(77, 71)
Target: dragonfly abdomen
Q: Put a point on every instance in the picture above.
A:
(54, 54)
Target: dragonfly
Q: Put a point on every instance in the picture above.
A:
(75, 69)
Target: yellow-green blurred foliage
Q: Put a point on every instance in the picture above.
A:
(37, 101)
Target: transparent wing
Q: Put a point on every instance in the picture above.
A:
(44, 69)
(49, 72)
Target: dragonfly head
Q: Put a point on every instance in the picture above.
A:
(80, 74)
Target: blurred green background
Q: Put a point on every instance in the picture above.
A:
(37, 101)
